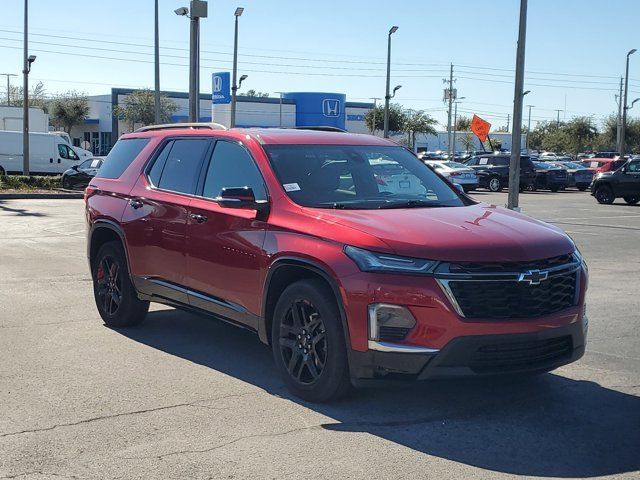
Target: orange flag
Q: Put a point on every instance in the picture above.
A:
(480, 127)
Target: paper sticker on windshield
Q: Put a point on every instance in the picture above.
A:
(291, 187)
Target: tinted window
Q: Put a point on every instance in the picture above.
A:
(634, 167)
(158, 164)
(182, 165)
(232, 166)
(501, 161)
(121, 156)
(65, 152)
(358, 177)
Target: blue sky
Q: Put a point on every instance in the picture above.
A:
(575, 49)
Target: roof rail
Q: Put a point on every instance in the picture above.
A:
(321, 128)
(192, 126)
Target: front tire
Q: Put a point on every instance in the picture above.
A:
(495, 184)
(631, 200)
(582, 188)
(308, 342)
(115, 295)
(65, 183)
(604, 195)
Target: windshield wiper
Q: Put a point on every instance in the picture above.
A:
(413, 204)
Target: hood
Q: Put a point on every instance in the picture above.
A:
(477, 232)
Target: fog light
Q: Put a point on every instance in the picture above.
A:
(389, 322)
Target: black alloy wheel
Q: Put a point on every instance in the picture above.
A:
(631, 200)
(604, 195)
(109, 283)
(303, 342)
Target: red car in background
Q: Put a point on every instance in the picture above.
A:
(599, 165)
(289, 233)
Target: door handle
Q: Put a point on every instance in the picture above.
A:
(135, 204)
(198, 218)
(51, 160)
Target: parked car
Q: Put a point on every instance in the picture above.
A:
(550, 177)
(48, 154)
(493, 171)
(78, 176)
(577, 175)
(456, 173)
(288, 233)
(606, 154)
(624, 182)
(601, 165)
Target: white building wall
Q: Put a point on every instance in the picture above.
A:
(252, 114)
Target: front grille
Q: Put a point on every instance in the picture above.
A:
(509, 267)
(513, 299)
(392, 334)
(522, 355)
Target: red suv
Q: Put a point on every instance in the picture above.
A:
(345, 253)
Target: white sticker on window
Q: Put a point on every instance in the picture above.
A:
(291, 187)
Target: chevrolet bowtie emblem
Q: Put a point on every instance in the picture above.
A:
(534, 277)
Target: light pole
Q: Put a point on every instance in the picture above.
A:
(156, 93)
(28, 60)
(234, 87)
(455, 120)
(9, 75)
(375, 107)
(625, 106)
(280, 93)
(518, 95)
(529, 127)
(387, 96)
(197, 10)
(558, 110)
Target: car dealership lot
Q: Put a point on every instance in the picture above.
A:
(185, 397)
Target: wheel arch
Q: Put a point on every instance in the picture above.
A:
(282, 273)
(101, 232)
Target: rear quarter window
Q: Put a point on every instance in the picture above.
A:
(121, 156)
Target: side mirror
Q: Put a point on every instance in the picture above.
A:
(239, 197)
(459, 187)
(75, 167)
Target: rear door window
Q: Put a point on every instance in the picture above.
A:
(121, 156)
(182, 166)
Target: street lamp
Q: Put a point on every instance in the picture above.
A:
(156, 65)
(625, 108)
(196, 11)
(235, 86)
(395, 89)
(528, 128)
(455, 120)
(28, 60)
(388, 97)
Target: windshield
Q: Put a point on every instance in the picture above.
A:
(455, 165)
(359, 177)
(543, 165)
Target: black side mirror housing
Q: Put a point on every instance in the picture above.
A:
(74, 167)
(240, 197)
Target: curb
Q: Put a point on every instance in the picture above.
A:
(37, 195)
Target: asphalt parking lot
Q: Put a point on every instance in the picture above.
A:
(186, 397)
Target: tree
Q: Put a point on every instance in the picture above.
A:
(418, 122)
(139, 108)
(397, 118)
(253, 93)
(68, 110)
(538, 134)
(579, 134)
(468, 141)
(463, 124)
(37, 96)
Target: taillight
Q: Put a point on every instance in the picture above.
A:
(455, 174)
(90, 191)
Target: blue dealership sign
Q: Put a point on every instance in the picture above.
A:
(221, 87)
(319, 109)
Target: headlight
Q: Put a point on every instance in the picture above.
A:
(368, 261)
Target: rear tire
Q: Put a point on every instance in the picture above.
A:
(65, 183)
(604, 195)
(554, 189)
(115, 295)
(631, 200)
(582, 188)
(495, 184)
(308, 342)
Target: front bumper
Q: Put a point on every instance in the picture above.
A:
(492, 354)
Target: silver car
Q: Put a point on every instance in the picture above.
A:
(456, 173)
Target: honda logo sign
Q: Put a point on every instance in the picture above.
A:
(331, 107)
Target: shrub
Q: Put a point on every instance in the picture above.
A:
(31, 182)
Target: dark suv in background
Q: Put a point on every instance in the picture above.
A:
(624, 182)
(493, 171)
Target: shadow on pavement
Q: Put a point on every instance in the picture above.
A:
(20, 212)
(548, 426)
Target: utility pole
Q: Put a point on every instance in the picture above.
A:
(387, 96)
(9, 75)
(234, 86)
(518, 95)
(450, 81)
(619, 123)
(198, 10)
(508, 120)
(25, 87)
(625, 107)
(558, 110)
(455, 123)
(280, 123)
(156, 93)
(528, 127)
(375, 106)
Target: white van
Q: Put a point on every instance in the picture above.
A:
(82, 153)
(48, 154)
